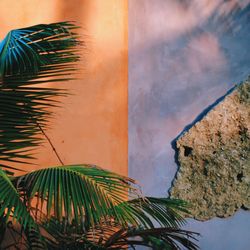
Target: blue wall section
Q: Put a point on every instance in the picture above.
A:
(183, 55)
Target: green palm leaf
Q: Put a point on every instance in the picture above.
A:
(114, 236)
(28, 57)
(11, 203)
(151, 211)
(83, 193)
(157, 225)
(155, 238)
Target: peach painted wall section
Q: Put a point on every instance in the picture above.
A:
(92, 125)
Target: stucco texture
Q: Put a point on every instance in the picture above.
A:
(91, 126)
(183, 56)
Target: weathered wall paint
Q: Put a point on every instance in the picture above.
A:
(92, 125)
(181, 59)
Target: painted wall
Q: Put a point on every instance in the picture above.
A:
(181, 59)
(92, 125)
(183, 55)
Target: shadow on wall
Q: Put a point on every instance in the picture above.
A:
(203, 114)
(183, 56)
(76, 10)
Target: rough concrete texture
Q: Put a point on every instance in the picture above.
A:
(214, 157)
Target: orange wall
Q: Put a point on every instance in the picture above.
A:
(92, 125)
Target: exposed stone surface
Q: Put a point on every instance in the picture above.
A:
(214, 157)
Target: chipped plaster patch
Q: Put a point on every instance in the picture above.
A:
(214, 157)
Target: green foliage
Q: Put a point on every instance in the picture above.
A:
(11, 203)
(83, 193)
(28, 57)
(66, 207)
(112, 235)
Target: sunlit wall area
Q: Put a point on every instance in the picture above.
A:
(91, 126)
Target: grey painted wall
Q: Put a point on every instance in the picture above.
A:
(183, 55)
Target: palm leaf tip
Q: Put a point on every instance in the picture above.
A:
(151, 211)
(35, 49)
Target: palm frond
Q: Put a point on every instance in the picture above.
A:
(165, 212)
(11, 203)
(156, 238)
(84, 193)
(29, 57)
(114, 237)
(34, 239)
(157, 225)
